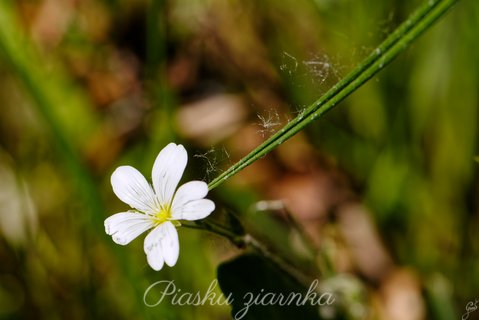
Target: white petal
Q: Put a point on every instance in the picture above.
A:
(192, 190)
(131, 187)
(152, 247)
(167, 171)
(155, 259)
(194, 210)
(170, 244)
(162, 245)
(126, 226)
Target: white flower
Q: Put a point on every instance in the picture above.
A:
(159, 208)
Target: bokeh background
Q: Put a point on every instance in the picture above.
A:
(385, 186)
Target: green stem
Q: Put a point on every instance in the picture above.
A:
(247, 240)
(394, 44)
(253, 243)
(216, 229)
(325, 268)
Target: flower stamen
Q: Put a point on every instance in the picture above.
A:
(162, 216)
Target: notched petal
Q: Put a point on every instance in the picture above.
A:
(162, 246)
(170, 245)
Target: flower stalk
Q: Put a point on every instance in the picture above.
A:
(248, 241)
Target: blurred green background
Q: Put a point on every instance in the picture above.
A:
(385, 185)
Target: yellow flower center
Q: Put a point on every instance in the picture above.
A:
(162, 216)
(165, 215)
